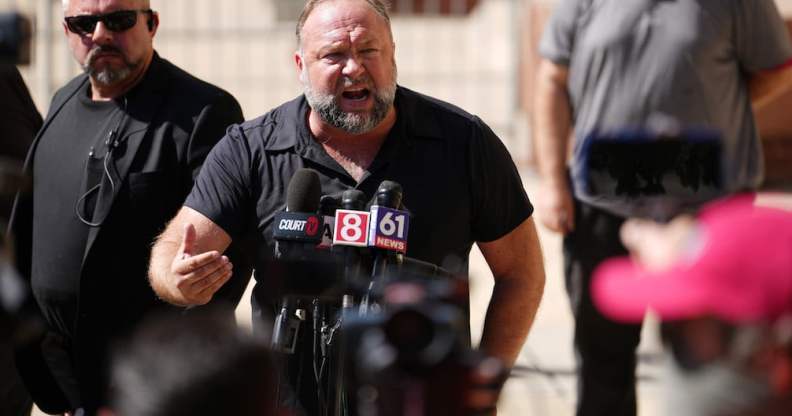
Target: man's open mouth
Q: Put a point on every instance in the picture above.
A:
(358, 95)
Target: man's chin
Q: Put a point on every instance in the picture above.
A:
(109, 77)
(357, 124)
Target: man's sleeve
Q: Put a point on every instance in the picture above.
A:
(222, 189)
(558, 38)
(760, 35)
(500, 203)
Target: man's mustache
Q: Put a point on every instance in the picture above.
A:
(363, 81)
(101, 49)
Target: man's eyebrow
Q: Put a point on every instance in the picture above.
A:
(331, 46)
(369, 42)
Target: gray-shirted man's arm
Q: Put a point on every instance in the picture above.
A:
(767, 85)
(762, 46)
(552, 128)
(553, 118)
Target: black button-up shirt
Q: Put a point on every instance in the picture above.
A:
(460, 183)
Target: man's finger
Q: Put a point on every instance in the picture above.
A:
(209, 274)
(188, 242)
(193, 263)
(210, 290)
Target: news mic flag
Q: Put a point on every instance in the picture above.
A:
(328, 204)
(388, 224)
(388, 229)
(351, 223)
(300, 223)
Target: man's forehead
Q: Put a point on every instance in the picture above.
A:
(336, 19)
(105, 5)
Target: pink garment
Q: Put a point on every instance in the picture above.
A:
(741, 271)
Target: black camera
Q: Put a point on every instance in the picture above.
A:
(644, 173)
(414, 358)
(15, 39)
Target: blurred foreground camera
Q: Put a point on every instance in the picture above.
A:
(412, 359)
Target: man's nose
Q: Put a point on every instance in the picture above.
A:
(101, 34)
(353, 68)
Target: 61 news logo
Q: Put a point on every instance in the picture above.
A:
(389, 229)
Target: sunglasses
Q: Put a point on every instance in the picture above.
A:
(119, 21)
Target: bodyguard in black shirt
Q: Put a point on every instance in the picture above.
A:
(355, 127)
(114, 161)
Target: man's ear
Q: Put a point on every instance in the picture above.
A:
(153, 23)
(299, 62)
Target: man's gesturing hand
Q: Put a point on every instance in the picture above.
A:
(198, 275)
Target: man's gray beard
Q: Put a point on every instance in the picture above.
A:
(328, 109)
(108, 76)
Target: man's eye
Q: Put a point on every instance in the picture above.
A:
(369, 51)
(335, 56)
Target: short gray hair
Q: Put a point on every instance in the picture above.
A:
(379, 6)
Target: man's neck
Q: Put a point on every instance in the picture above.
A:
(102, 92)
(354, 152)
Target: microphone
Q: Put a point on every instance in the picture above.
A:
(351, 226)
(298, 230)
(328, 204)
(387, 234)
(351, 231)
(389, 224)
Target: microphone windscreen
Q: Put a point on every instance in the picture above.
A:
(353, 199)
(389, 194)
(328, 204)
(304, 191)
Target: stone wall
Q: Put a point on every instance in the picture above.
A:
(246, 46)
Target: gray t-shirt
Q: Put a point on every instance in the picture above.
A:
(686, 59)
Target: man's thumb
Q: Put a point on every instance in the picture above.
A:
(188, 241)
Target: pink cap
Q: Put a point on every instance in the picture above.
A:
(741, 273)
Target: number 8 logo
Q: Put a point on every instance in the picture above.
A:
(351, 229)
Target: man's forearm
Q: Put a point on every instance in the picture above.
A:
(518, 269)
(162, 255)
(766, 86)
(510, 314)
(552, 121)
